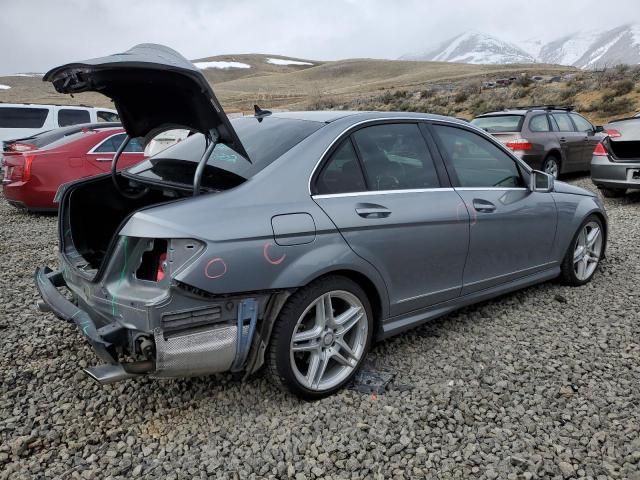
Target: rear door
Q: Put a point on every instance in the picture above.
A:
(571, 141)
(382, 189)
(67, 116)
(100, 156)
(512, 229)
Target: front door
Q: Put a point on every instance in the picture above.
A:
(589, 141)
(381, 189)
(512, 229)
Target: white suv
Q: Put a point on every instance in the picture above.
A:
(24, 119)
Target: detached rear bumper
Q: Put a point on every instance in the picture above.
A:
(48, 283)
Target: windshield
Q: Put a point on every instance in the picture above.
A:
(263, 140)
(499, 123)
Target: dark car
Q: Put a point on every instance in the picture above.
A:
(553, 139)
(615, 166)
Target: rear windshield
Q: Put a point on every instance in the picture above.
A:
(11, 117)
(499, 123)
(263, 140)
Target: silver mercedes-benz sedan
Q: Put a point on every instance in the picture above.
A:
(295, 239)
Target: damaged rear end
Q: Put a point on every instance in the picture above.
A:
(125, 274)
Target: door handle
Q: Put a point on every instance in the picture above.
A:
(483, 206)
(563, 139)
(372, 211)
(104, 159)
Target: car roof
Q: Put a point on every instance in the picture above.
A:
(50, 105)
(524, 111)
(328, 116)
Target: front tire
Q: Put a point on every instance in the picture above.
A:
(583, 256)
(320, 338)
(613, 192)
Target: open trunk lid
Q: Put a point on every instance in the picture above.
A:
(154, 88)
(624, 139)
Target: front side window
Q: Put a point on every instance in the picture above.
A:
(111, 145)
(395, 157)
(476, 161)
(539, 123)
(563, 122)
(342, 173)
(581, 123)
(72, 117)
(15, 117)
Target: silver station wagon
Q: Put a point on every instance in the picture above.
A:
(293, 240)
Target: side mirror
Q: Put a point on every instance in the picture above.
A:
(599, 129)
(540, 181)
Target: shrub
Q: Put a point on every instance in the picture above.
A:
(623, 87)
(461, 97)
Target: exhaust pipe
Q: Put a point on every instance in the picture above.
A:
(105, 374)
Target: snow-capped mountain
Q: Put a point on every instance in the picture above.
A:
(474, 47)
(588, 49)
(595, 49)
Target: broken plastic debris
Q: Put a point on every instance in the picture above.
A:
(371, 381)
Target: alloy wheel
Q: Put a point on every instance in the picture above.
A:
(587, 251)
(551, 167)
(329, 340)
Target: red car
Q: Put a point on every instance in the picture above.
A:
(32, 174)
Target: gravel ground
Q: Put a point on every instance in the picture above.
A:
(538, 384)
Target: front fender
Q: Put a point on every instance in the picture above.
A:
(572, 211)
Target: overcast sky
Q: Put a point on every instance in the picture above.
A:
(36, 35)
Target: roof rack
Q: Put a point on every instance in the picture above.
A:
(568, 108)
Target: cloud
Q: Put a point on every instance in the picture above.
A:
(58, 32)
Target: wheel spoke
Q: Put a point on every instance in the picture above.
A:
(592, 237)
(341, 359)
(582, 266)
(324, 311)
(346, 349)
(307, 335)
(317, 367)
(310, 345)
(578, 254)
(346, 321)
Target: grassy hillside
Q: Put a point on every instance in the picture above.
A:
(438, 87)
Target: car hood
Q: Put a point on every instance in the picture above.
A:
(154, 88)
(562, 187)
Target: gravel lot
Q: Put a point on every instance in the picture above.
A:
(543, 383)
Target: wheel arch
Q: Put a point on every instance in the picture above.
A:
(554, 152)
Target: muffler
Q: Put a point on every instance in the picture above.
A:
(105, 374)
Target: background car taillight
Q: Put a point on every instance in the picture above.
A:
(600, 150)
(613, 133)
(519, 144)
(18, 168)
(20, 147)
(153, 266)
(162, 267)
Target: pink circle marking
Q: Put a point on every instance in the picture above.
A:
(267, 257)
(214, 261)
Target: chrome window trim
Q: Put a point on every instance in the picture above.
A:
(491, 188)
(381, 192)
(103, 141)
(468, 126)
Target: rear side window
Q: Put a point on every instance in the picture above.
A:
(539, 123)
(107, 116)
(476, 161)
(111, 145)
(563, 122)
(395, 157)
(11, 117)
(69, 116)
(499, 123)
(581, 123)
(342, 173)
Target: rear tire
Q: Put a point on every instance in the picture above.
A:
(613, 192)
(551, 165)
(320, 338)
(584, 253)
